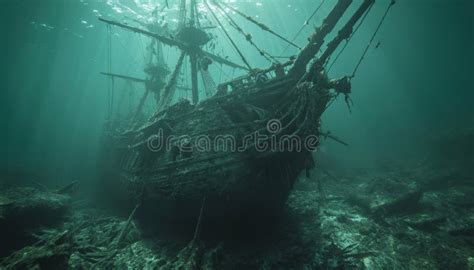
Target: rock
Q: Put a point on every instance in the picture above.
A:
(426, 223)
(406, 203)
(24, 210)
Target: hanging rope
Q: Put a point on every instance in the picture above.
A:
(121, 98)
(171, 85)
(184, 80)
(261, 25)
(131, 92)
(196, 18)
(112, 92)
(182, 14)
(209, 84)
(247, 36)
(306, 23)
(220, 75)
(372, 39)
(109, 69)
(228, 36)
(349, 39)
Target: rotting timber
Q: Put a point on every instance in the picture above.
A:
(172, 183)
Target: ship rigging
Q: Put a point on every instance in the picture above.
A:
(294, 94)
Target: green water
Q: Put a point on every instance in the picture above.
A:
(399, 196)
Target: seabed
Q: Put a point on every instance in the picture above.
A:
(415, 214)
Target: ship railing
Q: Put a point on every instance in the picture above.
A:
(256, 78)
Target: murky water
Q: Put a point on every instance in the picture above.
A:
(409, 122)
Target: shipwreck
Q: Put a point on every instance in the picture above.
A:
(237, 178)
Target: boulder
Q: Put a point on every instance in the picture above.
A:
(24, 210)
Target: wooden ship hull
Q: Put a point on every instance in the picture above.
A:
(190, 154)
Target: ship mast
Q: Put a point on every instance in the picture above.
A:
(189, 37)
(317, 40)
(193, 58)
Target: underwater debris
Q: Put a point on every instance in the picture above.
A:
(53, 254)
(68, 189)
(116, 242)
(401, 240)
